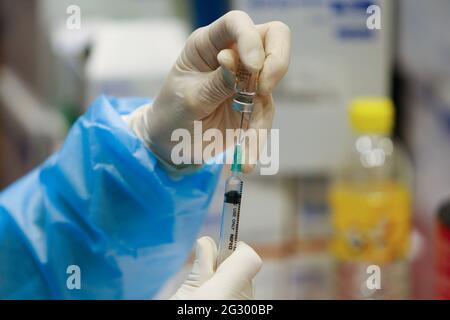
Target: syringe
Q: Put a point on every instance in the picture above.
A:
(245, 89)
(229, 229)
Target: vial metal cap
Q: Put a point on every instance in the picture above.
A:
(243, 106)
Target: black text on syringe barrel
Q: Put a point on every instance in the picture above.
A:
(230, 218)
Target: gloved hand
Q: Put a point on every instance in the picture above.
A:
(231, 281)
(200, 85)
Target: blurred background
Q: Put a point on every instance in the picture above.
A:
(50, 70)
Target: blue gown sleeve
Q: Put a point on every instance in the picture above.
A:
(104, 204)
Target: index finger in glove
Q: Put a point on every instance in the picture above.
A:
(235, 27)
(277, 45)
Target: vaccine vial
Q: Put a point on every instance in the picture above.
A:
(245, 89)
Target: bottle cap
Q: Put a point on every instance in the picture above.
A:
(372, 115)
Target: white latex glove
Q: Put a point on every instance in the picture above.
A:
(231, 281)
(200, 85)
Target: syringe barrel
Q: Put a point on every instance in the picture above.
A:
(230, 218)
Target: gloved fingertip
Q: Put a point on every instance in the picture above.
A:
(205, 242)
(254, 60)
(211, 241)
(205, 256)
(252, 257)
(227, 59)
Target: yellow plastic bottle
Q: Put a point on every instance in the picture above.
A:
(371, 203)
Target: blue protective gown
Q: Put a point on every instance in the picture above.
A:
(104, 203)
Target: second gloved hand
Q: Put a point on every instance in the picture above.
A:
(231, 281)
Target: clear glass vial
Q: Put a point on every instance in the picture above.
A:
(245, 89)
